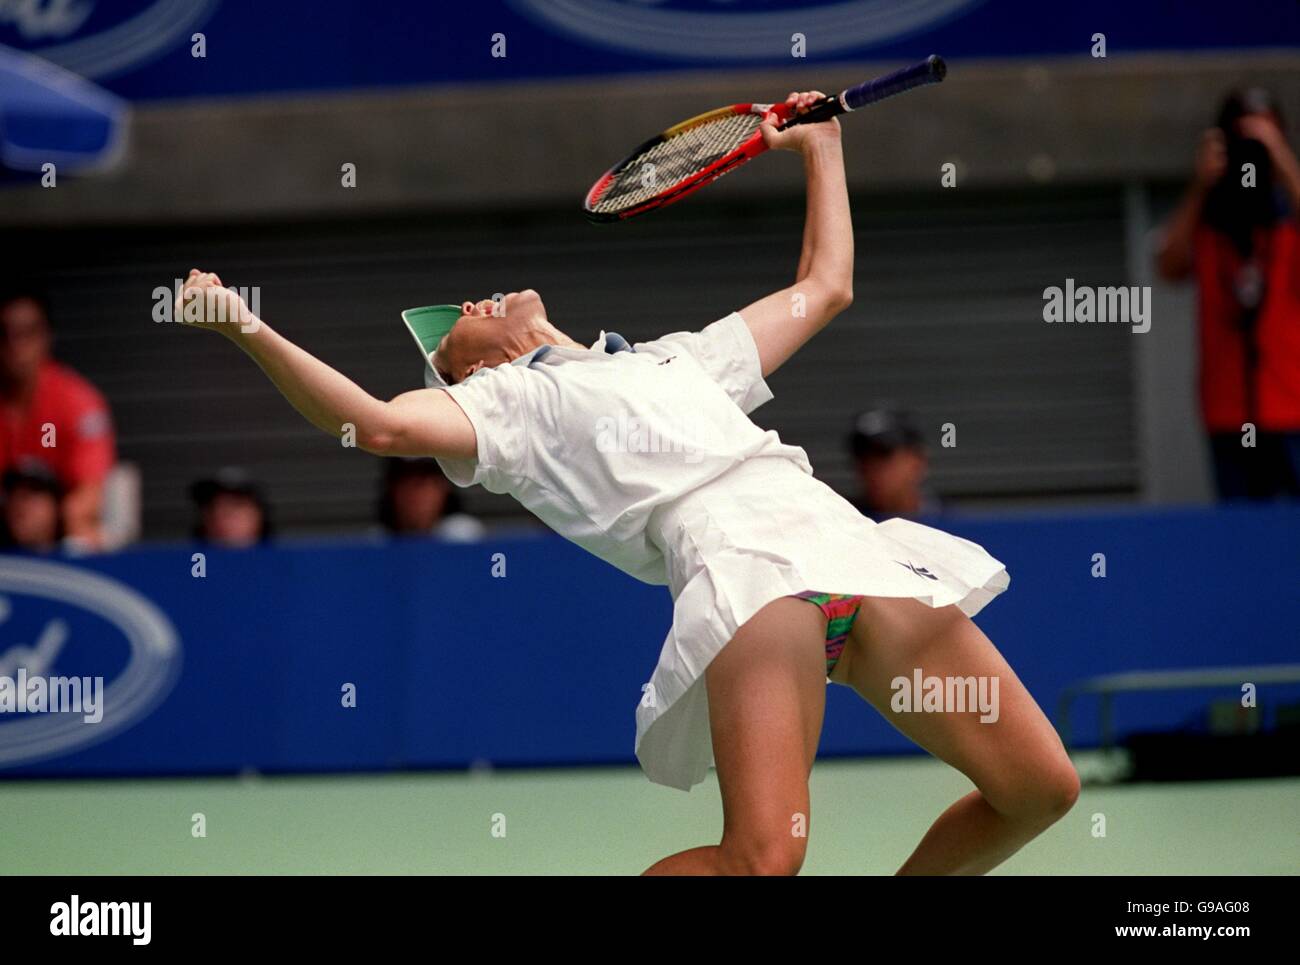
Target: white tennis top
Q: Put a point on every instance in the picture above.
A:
(592, 442)
(648, 460)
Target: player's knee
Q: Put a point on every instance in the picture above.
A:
(1058, 789)
(1042, 794)
(777, 856)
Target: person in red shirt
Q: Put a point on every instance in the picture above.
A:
(1236, 232)
(52, 416)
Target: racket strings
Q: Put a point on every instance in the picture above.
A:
(672, 161)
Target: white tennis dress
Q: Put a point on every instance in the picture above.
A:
(648, 460)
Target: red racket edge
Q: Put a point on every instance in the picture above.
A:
(747, 151)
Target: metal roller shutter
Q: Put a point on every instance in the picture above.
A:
(947, 322)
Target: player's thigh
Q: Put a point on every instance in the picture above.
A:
(1010, 750)
(767, 696)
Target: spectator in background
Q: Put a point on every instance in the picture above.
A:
(231, 510)
(1235, 232)
(889, 455)
(416, 499)
(52, 415)
(32, 519)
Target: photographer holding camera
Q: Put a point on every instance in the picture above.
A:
(1235, 231)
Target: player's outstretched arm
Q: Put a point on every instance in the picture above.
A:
(785, 320)
(426, 422)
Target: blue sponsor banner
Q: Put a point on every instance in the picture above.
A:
(143, 49)
(250, 665)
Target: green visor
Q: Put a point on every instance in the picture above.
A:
(428, 325)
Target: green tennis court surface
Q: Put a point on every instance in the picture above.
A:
(867, 816)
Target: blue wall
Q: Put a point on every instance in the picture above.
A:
(142, 48)
(545, 665)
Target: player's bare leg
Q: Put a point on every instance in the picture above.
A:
(767, 694)
(1023, 777)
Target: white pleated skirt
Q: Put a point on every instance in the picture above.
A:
(763, 530)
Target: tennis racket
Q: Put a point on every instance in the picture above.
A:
(697, 152)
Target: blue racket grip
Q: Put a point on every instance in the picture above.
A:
(929, 71)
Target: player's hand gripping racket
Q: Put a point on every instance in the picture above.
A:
(697, 152)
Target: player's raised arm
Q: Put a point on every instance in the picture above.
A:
(426, 422)
(823, 287)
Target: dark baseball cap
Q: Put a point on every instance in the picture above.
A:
(33, 474)
(883, 430)
(402, 467)
(1247, 102)
(228, 479)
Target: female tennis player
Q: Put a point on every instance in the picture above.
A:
(645, 456)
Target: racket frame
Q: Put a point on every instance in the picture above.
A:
(748, 149)
(929, 71)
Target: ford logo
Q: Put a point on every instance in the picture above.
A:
(98, 38)
(56, 621)
(720, 31)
